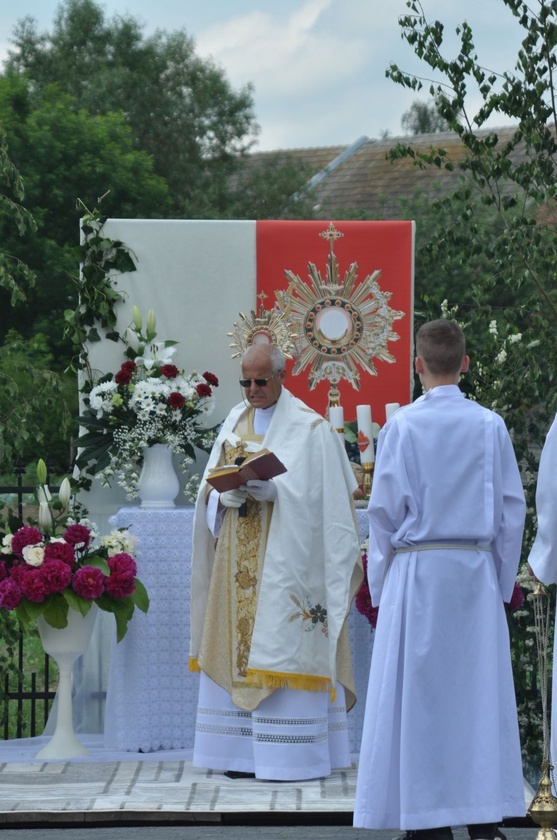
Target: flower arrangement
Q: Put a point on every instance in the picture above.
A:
(147, 401)
(65, 564)
(363, 595)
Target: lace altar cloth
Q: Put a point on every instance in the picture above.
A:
(151, 697)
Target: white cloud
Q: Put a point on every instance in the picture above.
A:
(285, 58)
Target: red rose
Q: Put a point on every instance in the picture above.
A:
(211, 378)
(203, 390)
(176, 400)
(170, 371)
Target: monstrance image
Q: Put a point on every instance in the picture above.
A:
(338, 326)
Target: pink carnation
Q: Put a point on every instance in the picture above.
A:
(25, 536)
(33, 586)
(56, 574)
(89, 582)
(10, 594)
(122, 564)
(78, 535)
(120, 584)
(60, 551)
(517, 599)
(363, 598)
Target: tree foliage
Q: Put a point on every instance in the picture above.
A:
(423, 118)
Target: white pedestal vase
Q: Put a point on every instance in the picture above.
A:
(158, 483)
(65, 646)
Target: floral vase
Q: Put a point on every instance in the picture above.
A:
(65, 646)
(158, 483)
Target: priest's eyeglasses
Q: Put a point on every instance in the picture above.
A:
(261, 382)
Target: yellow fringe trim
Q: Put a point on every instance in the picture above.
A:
(302, 682)
(194, 664)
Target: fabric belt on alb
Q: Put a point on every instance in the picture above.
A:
(441, 547)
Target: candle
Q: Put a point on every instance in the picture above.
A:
(336, 419)
(390, 408)
(365, 434)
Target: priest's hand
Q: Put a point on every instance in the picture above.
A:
(262, 491)
(233, 498)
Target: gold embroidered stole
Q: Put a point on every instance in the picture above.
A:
(234, 588)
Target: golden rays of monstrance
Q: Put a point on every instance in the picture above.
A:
(333, 327)
(338, 326)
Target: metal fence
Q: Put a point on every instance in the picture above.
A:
(24, 710)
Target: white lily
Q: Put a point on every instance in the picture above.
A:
(156, 354)
(65, 492)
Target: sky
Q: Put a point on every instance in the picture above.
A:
(317, 66)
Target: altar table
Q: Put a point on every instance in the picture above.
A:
(151, 695)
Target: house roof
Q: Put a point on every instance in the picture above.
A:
(359, 178)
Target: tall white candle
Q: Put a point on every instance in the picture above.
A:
(365, 434)
(390, 408)
(336, 418)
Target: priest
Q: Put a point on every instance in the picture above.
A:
(275, 566)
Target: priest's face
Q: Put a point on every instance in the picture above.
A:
(264, 386)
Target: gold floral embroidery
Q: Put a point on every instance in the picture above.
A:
(248, 535)
(315, 615)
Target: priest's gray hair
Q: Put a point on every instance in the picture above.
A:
(276, 356)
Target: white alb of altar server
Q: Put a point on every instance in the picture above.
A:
(440, 743)
(543, 556)
(271, 598)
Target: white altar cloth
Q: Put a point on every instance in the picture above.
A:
(151, 697)
(151, 694)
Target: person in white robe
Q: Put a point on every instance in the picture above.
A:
(274, 569)
(440, 741)
(543, 554)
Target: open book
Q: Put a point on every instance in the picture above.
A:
(259, 465)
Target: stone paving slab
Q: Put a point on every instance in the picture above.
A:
(164, 788)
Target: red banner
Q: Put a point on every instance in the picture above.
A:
(384, 247)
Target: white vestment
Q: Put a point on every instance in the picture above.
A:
(440, 742)
(310, 563)
(543, 556)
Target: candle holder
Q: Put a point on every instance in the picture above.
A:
(368, 475)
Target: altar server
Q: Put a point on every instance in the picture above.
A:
(543, 556)
(270, 597)
(440, 743)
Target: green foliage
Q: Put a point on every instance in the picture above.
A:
(14, 274)
(34, 412)
(422, 118)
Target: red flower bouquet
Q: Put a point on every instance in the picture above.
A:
(66, 565)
